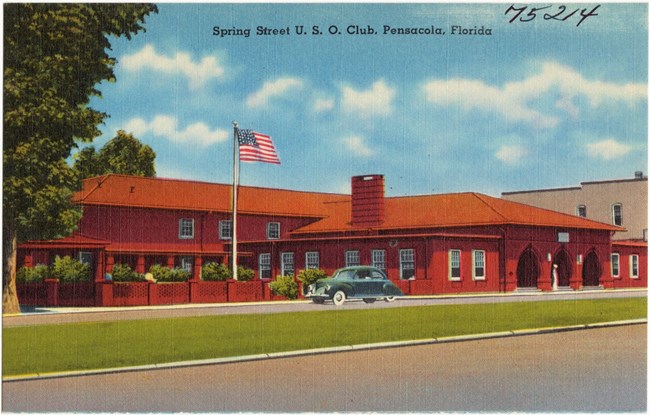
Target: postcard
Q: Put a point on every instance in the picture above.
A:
(256, 206)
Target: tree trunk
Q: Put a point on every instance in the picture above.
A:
(10, 303)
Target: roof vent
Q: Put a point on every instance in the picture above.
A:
(638, 175)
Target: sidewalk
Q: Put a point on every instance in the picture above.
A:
(59, 315)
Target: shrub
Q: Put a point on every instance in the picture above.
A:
(310, 276)
(35, 274)
(165, 274)
(213, 271)
(160, 272)
(124, 273)
(286, 286)
(245, 274)
(67, 269)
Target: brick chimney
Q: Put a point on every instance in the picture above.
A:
(367, 200)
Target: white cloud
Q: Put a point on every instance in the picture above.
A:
(376, 101)
(511, 154)
(357, 145)
(197, 73)
(273, 89)
(167, 127)
(607, 149)
(323, 105)
(515, 100)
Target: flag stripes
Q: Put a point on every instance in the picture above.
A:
(256, 147)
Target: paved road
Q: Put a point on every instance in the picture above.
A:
(596, 370)
(75, 315)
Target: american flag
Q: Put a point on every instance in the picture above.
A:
(256, 147)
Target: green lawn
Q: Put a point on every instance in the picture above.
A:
(64, 347)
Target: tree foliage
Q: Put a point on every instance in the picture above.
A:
(123, 154)
(54, 57)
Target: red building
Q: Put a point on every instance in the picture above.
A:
(432, 244)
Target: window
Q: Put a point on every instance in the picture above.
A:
(616, 265)
(186, 263)
(634, 266)
(617, 214)
(225, 229)
(264, 264)
(379, 259)
(186, 228)
(406, 264)
(273, 230)
(352, 258)
(454, 264)
(581, 210)
(86, 258)
(478, 264)
(312, 260)
(287, 263)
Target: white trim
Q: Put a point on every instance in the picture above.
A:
(406, 263)
(618, 265)
(187, 263)
(451, 264)
(474, 276)
(269, 225)
(182, 225)
(314, 254)
(376, 255)
(283, 263)
(222, 226)
(620, 206)
(634, 275)
(352, 258)
(266, 263)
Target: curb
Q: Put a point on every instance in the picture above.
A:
(319, 351)
(406, 298)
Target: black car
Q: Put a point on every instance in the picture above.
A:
(367, 283)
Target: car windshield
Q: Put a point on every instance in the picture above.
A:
(344, 274)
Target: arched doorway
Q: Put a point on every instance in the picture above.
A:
(591, 270)
(527, 269)
(563, 268)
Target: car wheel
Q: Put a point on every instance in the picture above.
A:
(318, 300)
(338, 298)
(369, 300)
(390, 299)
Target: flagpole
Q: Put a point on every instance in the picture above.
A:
(235, 188)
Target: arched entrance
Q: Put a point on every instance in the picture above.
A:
(563, 268)
(591, 270)
(527, 269)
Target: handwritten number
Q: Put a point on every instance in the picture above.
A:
(591, 13)
(559, 15)
(519, 11)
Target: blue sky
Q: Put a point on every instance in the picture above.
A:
(538, 104)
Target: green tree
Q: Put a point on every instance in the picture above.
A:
(123, 154)
(54, 56)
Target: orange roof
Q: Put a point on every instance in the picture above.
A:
(454, 210)
(334, 210)
(119, 190)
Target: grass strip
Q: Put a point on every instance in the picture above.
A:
(96, 345)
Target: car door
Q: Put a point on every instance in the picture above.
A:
(376, 284)
(362, 283)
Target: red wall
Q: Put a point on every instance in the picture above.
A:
(156, 230)
(625, 280)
